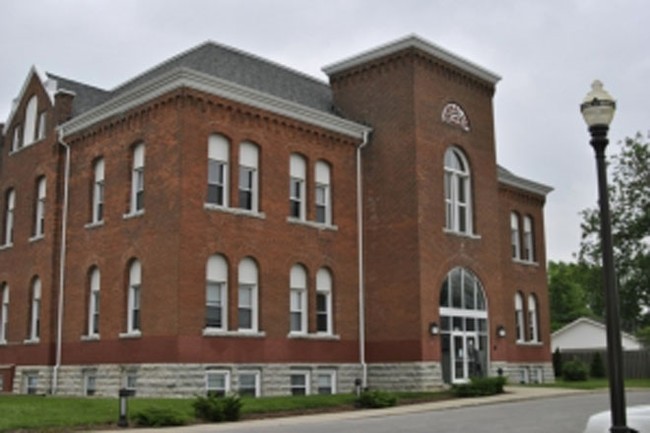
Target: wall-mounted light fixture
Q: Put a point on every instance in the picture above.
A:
(501, 331)
(434, 329)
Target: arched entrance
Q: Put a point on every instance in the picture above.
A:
(463, 327)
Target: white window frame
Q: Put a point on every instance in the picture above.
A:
(225, 390)
(515, 236)
(42, 124)
(249, 166)
(4, 312)
(31, 383)
(257, 375)
(94, 302)
(98, 191)
(35, 311)
(457, 184)
(307, 378)
(134, 306)
(331, 375)
(533, 324)
(248, 282)
(17, 142)
(10, 207)
(31, 117)
(216, 275)
(529, 243)
(297, 187)
(90, 383)
(322, 193)
(130, 380)
(39, 215)
(218, 157)
(137, 179)
(520, 326)
(298, 300)
(324, 288)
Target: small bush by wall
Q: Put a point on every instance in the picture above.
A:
(375, 399)
(574, 371)
(217, 409)
(480, 386)
(158, 417)
(597, 368)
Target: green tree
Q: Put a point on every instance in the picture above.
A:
(630, 213)
(568, 292)
(644, 336)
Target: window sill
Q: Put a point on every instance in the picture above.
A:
(234, 211)
(130, 215)
(32, 341)
(93, 337)
(530, 343)
(94, 224)
(313, 224)
(36, 238)
(212, 332)
(317, 336)
(524, 262)
(461, 234)
(6, 246)
(131, 334)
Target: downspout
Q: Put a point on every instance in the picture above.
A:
(362, 314)
(62, 257)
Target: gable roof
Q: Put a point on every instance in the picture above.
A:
(33, 71)
(508, 178)
(587, 321)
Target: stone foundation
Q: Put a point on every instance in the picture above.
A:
(407, 376)
(522, 373)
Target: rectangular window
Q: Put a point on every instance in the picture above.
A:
(322, 312)
(134, 322)
(39, 223)
(9, 217)
(326, 382)
(528, 252)
(297, 311)
(217, 383)
(299, 383)
(90, 383)
(214, 305)
(246, 185)
(216, 182)
(98, 192)
(322, 193)
(296, 198)
(93, 328)
(246, 307)
(249, 384)
(18, 138)
(137, 180)
(131, 381)
(35, 325)
(4, 313)
(42, 118)
(31, 383)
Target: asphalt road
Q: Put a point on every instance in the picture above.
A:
(561, 414)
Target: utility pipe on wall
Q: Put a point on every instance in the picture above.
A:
(362, 315)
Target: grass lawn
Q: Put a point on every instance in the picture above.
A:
(62, 414)
(597, 384)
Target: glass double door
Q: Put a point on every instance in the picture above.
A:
(464, 356)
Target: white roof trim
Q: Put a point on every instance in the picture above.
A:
(591, 322)
(413, 41)
(507, 178)
(16, 101)
(184, 77)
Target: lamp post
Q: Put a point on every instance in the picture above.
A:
(598, 111)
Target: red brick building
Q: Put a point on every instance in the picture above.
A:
(223, 223)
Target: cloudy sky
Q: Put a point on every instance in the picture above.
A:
(547, 53)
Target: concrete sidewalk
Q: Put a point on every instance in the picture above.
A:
(513, 393)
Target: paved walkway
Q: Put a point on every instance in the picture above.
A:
(513, 393)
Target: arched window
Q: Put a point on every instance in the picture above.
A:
(35, 311)
(519, 317)
(39, 214)
(248, 176)
(10, 204)
(458, 208)
(133, 320)
(324, 316)
(98, 191)
(218, 158)
(31, 115)
(533, 323)
(323, 192)
(4, 311)
(137, 179)
(298, 300)
(93, 302)
(514, 235)
(216, 293)
(529, 244)
(297, 187)
(248, 296)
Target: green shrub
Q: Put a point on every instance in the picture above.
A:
(480, 386)
(574, 371)
(375, 399)
(217, 409)
(158, 417)
(597, 368)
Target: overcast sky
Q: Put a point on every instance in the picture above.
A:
(547, 53)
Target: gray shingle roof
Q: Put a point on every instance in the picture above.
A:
(222, 62)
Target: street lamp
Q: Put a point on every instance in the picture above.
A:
(598, 110)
